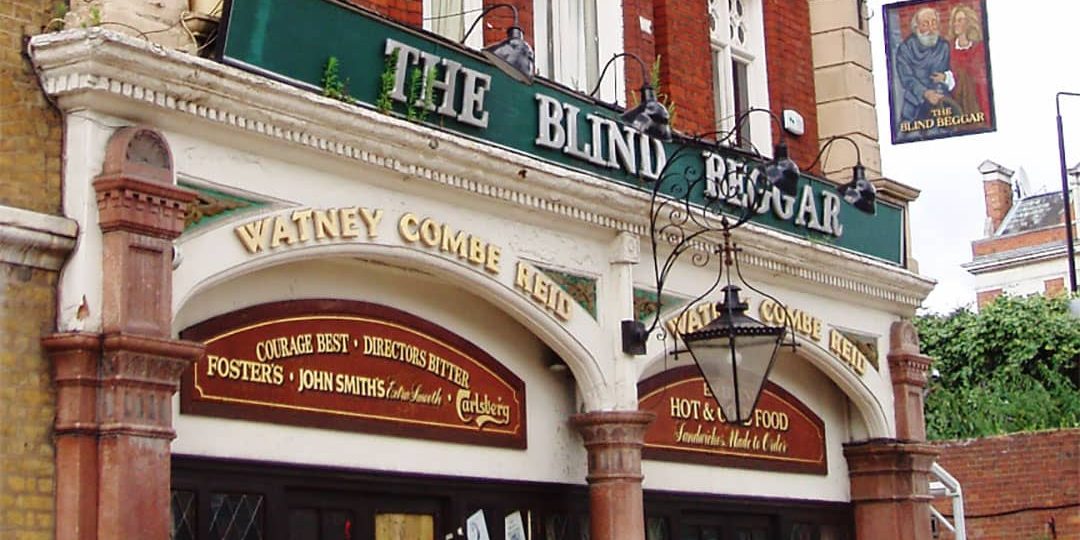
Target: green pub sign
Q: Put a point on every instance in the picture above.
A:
(384, 65)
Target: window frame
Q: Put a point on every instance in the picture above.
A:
(725, 54)
(472, 11)
(557, 64)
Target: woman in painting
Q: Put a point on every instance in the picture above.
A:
(968, 63)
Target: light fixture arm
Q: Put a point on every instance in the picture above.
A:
(641, 63)
(680, 223)
(487, 10)
(684, 226)
(829, 143)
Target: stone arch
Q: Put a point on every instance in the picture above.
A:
(873, 411)
(581, 358)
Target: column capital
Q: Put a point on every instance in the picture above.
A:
(613, 440)
(908, 369)
(890, 488)
(887, 470)
(136, 191)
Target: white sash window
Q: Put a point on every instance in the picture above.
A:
(451, 18)
(738, 43)
(574, 38)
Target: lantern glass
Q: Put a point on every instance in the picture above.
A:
(734, 354)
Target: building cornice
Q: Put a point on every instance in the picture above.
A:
(34, 239)
(131, 78)
(1015, 258)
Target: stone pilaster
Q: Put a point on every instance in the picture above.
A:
(909, 370)
(114, 388)
(890, 489)
(613, 440)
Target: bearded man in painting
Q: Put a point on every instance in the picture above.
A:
(922, 66)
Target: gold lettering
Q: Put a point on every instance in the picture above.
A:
(429, 233)
(326, 225)
(524, 277)
(476, 250)
(452, 243)
(350, 223)
(282, 233)
(252, 234)
(302, 218)
(371, 221)
(408, 226)
(493, 254)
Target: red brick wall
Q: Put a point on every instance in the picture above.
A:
(985, 297)
(791, 70)
(408, 12)
(989, 246)
(1054, 287)
(642, 44)
(496, 22)
(998, 195)
(1022, 486)
(681, 28)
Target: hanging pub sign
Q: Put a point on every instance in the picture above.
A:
(352, 366)
(428, 80)
(938, 56)
(783, 435)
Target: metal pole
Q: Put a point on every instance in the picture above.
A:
(1070, 249)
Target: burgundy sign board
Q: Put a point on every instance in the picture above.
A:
(783, 435)
(352, 366)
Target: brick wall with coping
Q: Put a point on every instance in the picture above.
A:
(1024, 486)
(30, 167)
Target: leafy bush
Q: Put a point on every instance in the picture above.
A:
(1011, 367)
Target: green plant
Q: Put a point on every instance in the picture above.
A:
(1013, 366)
(662, 97)
(429, 91)
(421, 95)
(56, 21)
(386, 83)
(333, 86)
(416, 86)
(95, 16)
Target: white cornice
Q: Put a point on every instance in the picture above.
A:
(132, 78)
(33, 239)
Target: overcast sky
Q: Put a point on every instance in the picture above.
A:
(1033, 50)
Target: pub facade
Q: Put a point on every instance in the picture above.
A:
(339, 276)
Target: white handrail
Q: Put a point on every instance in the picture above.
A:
(944, 485)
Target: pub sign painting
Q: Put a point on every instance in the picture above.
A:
(939, 69)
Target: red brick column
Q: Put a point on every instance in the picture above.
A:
(114, 389)
(909, 369)
(890, 478)
(613, 440)
(890, 489)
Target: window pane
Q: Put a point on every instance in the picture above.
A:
(236, 516)
(337, 525)
(184, 517)
(303, 523)
(656, 529)
(741, 91)
(447, 19)
(404, 527)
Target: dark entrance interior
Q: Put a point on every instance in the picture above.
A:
(215, 499)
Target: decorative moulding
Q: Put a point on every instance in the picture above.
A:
(33, 239)
(109, 72)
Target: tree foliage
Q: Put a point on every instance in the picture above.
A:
(1013, 366)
